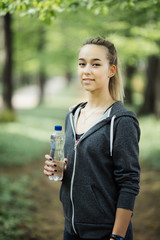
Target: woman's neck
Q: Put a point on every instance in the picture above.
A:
(96, 100)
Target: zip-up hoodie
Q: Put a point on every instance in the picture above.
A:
(102, 171)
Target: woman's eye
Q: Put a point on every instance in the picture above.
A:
(96, 64)
(81, 64)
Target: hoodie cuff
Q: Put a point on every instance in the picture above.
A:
(126, 200)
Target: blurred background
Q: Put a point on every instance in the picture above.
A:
(39, 45)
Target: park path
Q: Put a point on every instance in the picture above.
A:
(146, 220)
(28, 96)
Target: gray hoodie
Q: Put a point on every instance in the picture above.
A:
(102, 172)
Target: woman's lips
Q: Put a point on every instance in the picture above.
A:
(88, 80)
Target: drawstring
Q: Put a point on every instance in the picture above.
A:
(111, 134)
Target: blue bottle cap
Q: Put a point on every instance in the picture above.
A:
(58, 128)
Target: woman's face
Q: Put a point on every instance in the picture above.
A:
(93, 68)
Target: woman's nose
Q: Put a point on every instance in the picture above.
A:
(87, 69)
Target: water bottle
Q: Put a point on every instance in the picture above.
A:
(57, 151)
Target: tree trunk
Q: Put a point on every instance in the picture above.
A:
(41, 75)
(128, 88)
(157, 91)
(7, 62)
(149, 95)
(42, 80)
(68, 76)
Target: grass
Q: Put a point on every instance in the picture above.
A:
(28, 138)
(15, 213)
(149, 142)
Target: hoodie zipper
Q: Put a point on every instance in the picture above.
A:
(111, 134)
(73, 174)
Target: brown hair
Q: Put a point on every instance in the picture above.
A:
(115, 84)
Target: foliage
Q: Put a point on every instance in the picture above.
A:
(15, 205)
(46, 10)
(61, 42)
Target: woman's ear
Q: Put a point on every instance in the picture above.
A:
(112, 71)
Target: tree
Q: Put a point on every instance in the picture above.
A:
(42, 74)
(130, 70)
(7, 61)
(157, 89)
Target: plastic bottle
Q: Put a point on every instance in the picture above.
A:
(57, 151)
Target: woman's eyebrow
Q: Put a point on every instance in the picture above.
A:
(94, 59)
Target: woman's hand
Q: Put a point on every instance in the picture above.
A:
(54, 167)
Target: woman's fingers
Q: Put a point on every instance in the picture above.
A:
(52, 166)
(56, 166)
(51, 163)
(65, 163)
(49, 169)
(48, 157)
(48, 173)
(65, 160)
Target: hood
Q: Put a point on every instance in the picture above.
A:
(117, 109)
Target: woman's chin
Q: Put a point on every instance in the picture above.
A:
(88, 88)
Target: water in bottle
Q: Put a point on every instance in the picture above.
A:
(57, 151)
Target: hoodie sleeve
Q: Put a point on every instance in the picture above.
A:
(126, 161)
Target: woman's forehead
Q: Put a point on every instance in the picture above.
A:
(93, 51)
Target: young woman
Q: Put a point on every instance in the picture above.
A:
(101, 179)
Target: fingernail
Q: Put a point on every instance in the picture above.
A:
(55, 165)
(50, 159)
(55, 170)
(52, 173)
